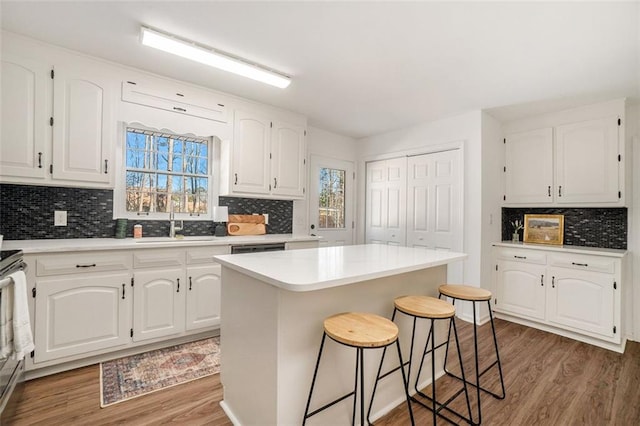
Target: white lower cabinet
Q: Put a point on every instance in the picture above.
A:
(94, 302)
(572, 294)
(203, 296)
(582, 300)
(80, 314)
(158, 303)
(520, 289)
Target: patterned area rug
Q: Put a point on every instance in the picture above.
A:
(133, 376)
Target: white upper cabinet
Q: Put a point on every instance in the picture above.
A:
(251, 145)
(267, 158)
(83, 125)
(587, 162)
(26, 95)
(529, 167)
(581, 166)
(288, 159)
(173, 97)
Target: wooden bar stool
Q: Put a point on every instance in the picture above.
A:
(360, 331)
(432, 309)
(473, 295)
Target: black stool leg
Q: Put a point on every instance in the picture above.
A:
(355, 389)
(313, 381)
(433, 371)
(495, 343)
(464, 380)
(405, 382)
(405, 378)
(475, 352)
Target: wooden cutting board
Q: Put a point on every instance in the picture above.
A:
(246, 218)
(246, 228)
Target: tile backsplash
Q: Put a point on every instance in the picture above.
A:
(587, 227)
(26, 212)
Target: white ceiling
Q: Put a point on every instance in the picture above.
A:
(365, 68)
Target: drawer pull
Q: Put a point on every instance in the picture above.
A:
(92, 265)
(579, 264)
(520, 257)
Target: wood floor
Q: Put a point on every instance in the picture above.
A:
(550, 380)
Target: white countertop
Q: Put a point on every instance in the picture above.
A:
(326, 267)
(565, 249)
(83, 244)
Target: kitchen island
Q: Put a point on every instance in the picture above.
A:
(273, 307)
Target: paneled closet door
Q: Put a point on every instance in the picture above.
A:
(396, 194)
(434, 201)
(386, 201)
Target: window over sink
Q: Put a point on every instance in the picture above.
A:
(166, 172)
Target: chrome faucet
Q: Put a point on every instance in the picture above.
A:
(172, 225)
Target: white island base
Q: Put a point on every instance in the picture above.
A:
(273, 307)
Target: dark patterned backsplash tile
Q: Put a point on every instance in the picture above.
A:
(26, 212)
(587, 227)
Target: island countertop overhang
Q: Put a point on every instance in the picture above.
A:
(326, 267)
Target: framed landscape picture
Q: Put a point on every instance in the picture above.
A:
(544, 228)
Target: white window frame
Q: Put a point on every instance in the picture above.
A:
(120, 190)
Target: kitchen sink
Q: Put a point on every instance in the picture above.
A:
(173, 240)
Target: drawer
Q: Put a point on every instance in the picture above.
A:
(80, 263)
(205, 254)
(522, 255)
(584, 262)
(154, 258)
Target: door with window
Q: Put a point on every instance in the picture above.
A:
(331, 200)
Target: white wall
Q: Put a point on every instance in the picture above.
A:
(463, 131)
(323, 143)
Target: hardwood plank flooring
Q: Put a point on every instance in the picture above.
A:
(550, 380)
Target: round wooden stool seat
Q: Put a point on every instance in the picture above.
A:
(361, 330)
(465, 292)
(425, 307)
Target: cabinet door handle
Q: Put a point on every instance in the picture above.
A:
(275, 183)
(549, 190)
(190, 283)
(179, 109)
(520, 257)
(542, 280)
(553, 282)
(178, 280)
(560, 191)
(106, 167)
(92, 265)
(122, 291)
(236, 181)
(39, 160)
(579, 264)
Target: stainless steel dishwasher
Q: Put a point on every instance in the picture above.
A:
(256, 248)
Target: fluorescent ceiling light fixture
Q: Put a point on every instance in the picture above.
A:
(212, 57)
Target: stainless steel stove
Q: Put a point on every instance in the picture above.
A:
(11, 371)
